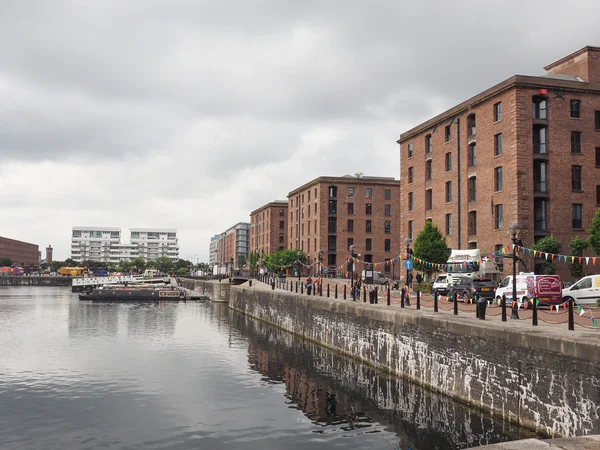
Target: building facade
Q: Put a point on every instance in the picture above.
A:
(525, 152)
(329, 214)
(103, 244)
(19, 252)
(233, 246)
(268, 228)
(213, 257)
(93, 243)
(153, 243)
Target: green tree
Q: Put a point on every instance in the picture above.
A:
(253, 260)
(278, 261)
(578, 245)
(69, 262)
(241, 260)
(5, 262)
(164, 263)
(548, 244)
(594, 237)
(431, 246)
(139, 264)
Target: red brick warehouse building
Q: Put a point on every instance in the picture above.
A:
(526, 151)
(268, 228)
(19, 252)
(328, 214)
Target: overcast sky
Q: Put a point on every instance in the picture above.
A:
(190, 114)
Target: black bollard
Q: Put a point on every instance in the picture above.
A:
(503, 305)
(571, 318)
(435, 301)
(376, 295)
(402, 299)
(365, 295)
(514, 314)
(418, 299)
(327, 290)
(250, 283)
(481, 307)
(455, 300)
(389, 295)
(302, 288)
(321, 289)
(272, 285)
(344, 292)
(296, 287)
(315, 289)
(476, 298)
(336, 291)
(534, 320)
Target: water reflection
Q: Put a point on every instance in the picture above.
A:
(332, 390)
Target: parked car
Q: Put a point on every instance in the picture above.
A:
(378, 278)
(440, 285)
(467, 288)
(585, 291)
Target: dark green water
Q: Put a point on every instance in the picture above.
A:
(82, 375)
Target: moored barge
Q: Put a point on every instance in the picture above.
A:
(134, 293)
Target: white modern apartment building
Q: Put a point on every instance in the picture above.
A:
(103, 244)
(155, 242)
(213, 257)
(94, 243)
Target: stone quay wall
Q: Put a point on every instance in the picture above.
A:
(214, 290)
(35, 281)
(544, 378)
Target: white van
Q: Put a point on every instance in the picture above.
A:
(546, 288)
(585, 292)
(151, 273)
(378, 278)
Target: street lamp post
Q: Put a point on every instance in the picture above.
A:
(513, 230)
(231, 268)
(320, 257)
(352, 256)
(407, 241)
(299, 266)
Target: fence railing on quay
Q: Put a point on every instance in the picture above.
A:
(529, 311)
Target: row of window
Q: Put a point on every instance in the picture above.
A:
(332, 244)
(387, 208)
(471, 159)
(333, 192)
(540, 217)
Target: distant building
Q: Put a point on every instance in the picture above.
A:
(94, 243)
(525, 151)
(268, 227)
(103, 244)
(19, 252)
(49, 254)
(214, 250)
(329, 214)
(233, 244)
(155, 242)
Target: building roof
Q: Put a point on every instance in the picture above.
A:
(348, 179)
(571, 56)
(273, 204)
(516, 81)
(92, 228)
(154, 230)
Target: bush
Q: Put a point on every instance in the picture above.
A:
(598, 302)
(424, 288)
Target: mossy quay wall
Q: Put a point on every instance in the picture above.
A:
(35, 281)
(214, 290)
(545, 378)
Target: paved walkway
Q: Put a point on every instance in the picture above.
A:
(549, 323)
(574, 443)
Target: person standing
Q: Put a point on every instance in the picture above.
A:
(409, 280)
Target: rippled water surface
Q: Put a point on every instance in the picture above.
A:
(196, 375)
